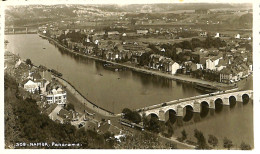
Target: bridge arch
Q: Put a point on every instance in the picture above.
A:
(218, 104)
(232, 101)
(152, 115)
(187, 112)
(245, 98)
(171, 115)
(204, 105)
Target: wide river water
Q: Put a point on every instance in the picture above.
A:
(128, 89)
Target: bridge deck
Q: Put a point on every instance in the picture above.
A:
(179, 101)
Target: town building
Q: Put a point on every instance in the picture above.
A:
(142, 32)
(225, 75)
(136, 56)
(56, 95)
(212, 62)
(203, 34)
(31, 86)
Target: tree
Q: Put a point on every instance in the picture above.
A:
(227, 143)
(208, 42)
(131, 115)
(201, 141)
(70, 107)
(244, 146)
(153, 125)
(212, 140)
(185, 45)
(135, 117)
(126, 112)
(28, 62)
(144, 59)
(153, 48)
(184, 135)
(195, 42)
(145, 120)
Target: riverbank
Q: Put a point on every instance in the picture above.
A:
(84, 100)
(181, 78)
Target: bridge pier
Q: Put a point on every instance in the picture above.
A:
(225, 101)
(179, 111)
(211, 104)
(197, 107)
(251, 96)
(239, 98)
(161, 115)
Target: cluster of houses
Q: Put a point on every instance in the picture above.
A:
(164, 64)
(53, 96)
(212, 59)
(231, 66)
(40, 82)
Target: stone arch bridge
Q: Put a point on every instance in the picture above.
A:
(195, 103)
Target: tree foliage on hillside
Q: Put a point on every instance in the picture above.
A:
(131, 115)
(244, 146)
(144, 140)
(201, 141)
(227, 143)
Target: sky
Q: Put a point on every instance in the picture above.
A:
(123, 2)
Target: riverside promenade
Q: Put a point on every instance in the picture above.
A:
(87, 103)
(181, 78)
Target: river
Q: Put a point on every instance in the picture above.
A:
(110, 90)
(128, 89)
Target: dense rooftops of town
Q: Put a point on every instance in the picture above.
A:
(206, 50)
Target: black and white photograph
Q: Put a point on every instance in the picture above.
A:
(128, 75)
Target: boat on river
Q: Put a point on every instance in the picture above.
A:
(113, 67)
(56, 73)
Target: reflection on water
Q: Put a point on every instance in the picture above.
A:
(204, 109)
(218, 105)
(229, 122)
(232, 102)
(188, 113)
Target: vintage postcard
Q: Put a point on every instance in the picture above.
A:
(129, 74)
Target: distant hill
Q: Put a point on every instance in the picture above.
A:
(21, 15)
(180, 6)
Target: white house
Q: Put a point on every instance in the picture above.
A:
(237, 36)
(199, 66)
(31, 86)
(174, 67)
(217, 35)
(163, 50)
(58, 96)
(211, 63)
